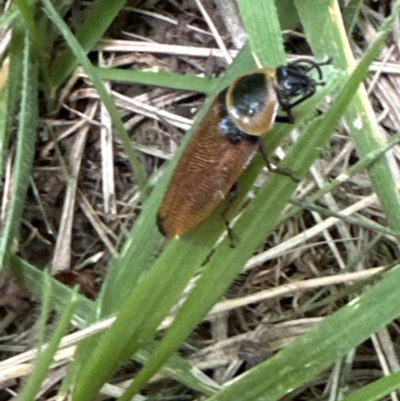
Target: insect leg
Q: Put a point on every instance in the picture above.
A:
(285, 119)
(233, 195)
(277, 170)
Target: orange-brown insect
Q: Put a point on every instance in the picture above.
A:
(227, 139)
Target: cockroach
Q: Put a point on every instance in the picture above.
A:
(227, 139)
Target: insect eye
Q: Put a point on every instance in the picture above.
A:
(292, 82)
(281, 74)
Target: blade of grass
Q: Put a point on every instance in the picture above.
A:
(47, 351)
(350, 15)
(104, 95)
(320, 347)
(359, 222)
(289, 20)
(7, 18)
(34, 280)
(144, 310)
(377, 390)
(11, 78)
(27, 12)
(182, 370)
(100, 17)
(165, 79)
(261, 22)
(85, 309)
(4, 137)
(327, 36)
(361, 164)
(25, 148)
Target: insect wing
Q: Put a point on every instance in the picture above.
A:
(210, 165)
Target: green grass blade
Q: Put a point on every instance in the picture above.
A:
(34, 280)
(85, 310)
(350, 15)
(288, 17)
(261, 21)
(28, 11)
(320, 347)
(329, 39)
(105, 97)
(164, 79)
(25, 149)
(47, 351)
(89, 33)
(11, 91)
(3, 124)
(144, 312)
(376, 390)
(7, 18)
